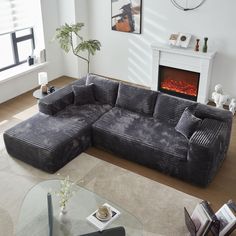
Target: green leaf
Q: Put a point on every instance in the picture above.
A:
(91, 46)
(64, 36)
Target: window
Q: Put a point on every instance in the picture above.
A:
(16, 47)
(20, 31)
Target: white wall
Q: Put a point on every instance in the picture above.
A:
(82, 15)
(66, 10)
(50, 17)
(21, 84)
(128, 57)
(70, 12)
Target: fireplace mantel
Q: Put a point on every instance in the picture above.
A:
(185, 59)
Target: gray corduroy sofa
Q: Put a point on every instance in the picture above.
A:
(135, 123)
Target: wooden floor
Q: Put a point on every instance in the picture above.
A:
(218, 192)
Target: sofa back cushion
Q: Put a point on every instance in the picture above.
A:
(136, 99)
(169, 108)
(83, 94)
(105, 90)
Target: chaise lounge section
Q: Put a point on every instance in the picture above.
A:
(135, 123)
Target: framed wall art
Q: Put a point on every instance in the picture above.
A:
(126, 15)
(180, 40)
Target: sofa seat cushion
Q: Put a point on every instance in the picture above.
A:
(84, 114)
(50, 142)
(48, 132)
(144, 130)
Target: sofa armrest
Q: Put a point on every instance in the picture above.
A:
(58, 100)
(207, 149)
(205, 111)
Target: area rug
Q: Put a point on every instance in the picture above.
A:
(158, 207)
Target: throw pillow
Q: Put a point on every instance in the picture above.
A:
(105, 90)
(188, 123)
(83, 94)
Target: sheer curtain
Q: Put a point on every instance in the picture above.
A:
(15, 15)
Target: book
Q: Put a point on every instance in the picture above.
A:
(214, 225)
(101, 224)
(189, 223)
(227, 220)
(199, 222)
(200, 219)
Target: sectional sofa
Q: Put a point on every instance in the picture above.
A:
(137, 124)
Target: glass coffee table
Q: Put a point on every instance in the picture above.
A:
(33, 218)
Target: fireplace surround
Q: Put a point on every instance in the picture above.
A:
(196, 65)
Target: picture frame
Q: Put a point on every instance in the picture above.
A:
(126, 16)
(183, 40)
(173, 39)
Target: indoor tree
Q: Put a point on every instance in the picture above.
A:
(67, 35)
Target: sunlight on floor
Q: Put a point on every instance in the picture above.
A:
(27, 113)
(3, 122)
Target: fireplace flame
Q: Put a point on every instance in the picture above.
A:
(179, 87)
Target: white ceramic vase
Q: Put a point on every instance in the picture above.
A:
(63, 215)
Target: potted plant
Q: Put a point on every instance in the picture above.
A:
(67, 35)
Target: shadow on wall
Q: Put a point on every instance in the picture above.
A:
(227, 64)
(139, 48)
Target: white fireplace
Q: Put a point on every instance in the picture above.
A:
(183, 59)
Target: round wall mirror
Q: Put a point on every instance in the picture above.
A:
(187, 5)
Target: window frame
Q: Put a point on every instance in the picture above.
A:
(14, 41)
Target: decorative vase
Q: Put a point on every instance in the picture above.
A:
(204, 49)
(63, 215)
(197, 45)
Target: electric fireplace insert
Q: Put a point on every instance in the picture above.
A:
(178, 82)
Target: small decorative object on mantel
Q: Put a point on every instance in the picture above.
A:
(180, 40)
(197, 45)
(43, 81)
(232, 105)
(219, 98)
(187, 5)
(204, 49)
(173, 39)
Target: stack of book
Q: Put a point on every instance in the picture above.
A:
(100, 223)
(204, 221)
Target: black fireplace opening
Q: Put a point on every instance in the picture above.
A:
(178, 82)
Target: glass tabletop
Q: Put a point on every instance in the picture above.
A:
(33, 218)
